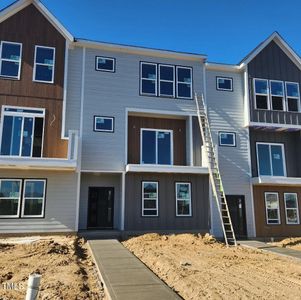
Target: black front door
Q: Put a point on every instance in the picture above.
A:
(101, 207)
(237, 209)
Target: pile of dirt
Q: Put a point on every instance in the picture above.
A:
(198, 267)
(64, 263)
(293, 243)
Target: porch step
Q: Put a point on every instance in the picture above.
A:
(100, 234)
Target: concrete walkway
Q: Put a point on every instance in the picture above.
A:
(270, 248)
(124, 276)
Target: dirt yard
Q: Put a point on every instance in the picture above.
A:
(64, 263)
(293, 243)
(201, 268)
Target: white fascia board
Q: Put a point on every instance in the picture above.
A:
(12, 9)
(222, 67)
(166, 169)
(273, 125)
(275, 180)
(160, 112)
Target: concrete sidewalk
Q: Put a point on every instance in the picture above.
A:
(270, 248)
(124, 276)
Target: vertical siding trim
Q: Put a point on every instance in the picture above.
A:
(63, 124)
(190, 141)
(246, 96)
(122, 215)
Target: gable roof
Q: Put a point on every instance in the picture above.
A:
(18, 5)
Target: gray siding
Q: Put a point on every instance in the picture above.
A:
(60, 205)
(167, 219)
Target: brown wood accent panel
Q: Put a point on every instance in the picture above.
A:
(54, 146)
(275, 230)
(179, 137)
(167, 219)
(31, 28)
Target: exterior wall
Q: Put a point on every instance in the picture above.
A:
(292, 147)
(275, 230)
(226, 113)
(60, 203)
(31, 28)
(99, 180)
(197, 142)
(167, 219)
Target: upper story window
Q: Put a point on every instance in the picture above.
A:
(271, 159)
(105, 64)
(22, 132)
(224, 84)
(277, 95)
(10, 62)
(44, 62)
(156, 146)
(227, 139)
(104, 124)
(165, 80)
(292, 96)
(261, 92)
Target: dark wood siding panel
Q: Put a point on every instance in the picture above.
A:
(167, 219)
(279, 230)
(179, 136)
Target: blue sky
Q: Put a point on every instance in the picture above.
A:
(224, 30)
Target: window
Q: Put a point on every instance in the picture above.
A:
(22, 132)
(104, 124)
(261, 93)
(106, 64)
(227, 139)
(183, 199)
(166, 81)
(184, 82)
(10, 197)
(272, 208)
(148, 83)
(291, 208)
(270, 159)
(224, 84)
(156, 146)
(44, 62)
(149, 198)
(292, 96)
(10, 63)
(277, 95)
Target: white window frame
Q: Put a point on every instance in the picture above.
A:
(104, 130)
(286, 209)
(291, 97)
(266, 209)
(260, 94)
(11, 60)
(142, 78)
(157, 199)
(106, 58)
(271, 95)
(283, 155)
(177, 81)
(24, 199)
(179, 199)
(164, 80)
(227, 78)
(19, 200)
(23, 115)
(156, 130)
(226, 132)
(43, 64)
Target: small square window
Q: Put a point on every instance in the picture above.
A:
(105, 64)
(224, 84)
(227, 139)
(104, 124)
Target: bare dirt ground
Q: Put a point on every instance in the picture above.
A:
(293, 243)
(201, 268)
(64, 263)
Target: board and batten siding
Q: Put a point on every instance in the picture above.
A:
(60, 203)
(226, 113)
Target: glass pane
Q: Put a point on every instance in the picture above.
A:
(184, 90)
(44, 73)
(11, 51)
(261, 102)
(273, 215)
(277, 88)
(150, 212)
(224, 84)
(8, 207)
(166, 73)
(105, 64)
(38, 137)
(149, 71)
(184, 75)
(292, 216)
(291, 200)
(45, 56)
(277, 103)
(164, 148)
(9, 188)
(277, 160)
(9, 68)
(103, 123)
(149, 203)
(264, 159)
(227, 138)
(292, 104)
(27, 136)
(33, 207)
(183, 207)
(148, 147)
(149, 190)
(149, 87)
(16, 135)
(34, 189)
(261, 86)
(6, 135)
(183, 191)
(292, 89)
(166, 88)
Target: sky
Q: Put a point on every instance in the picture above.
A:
(224, 30)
